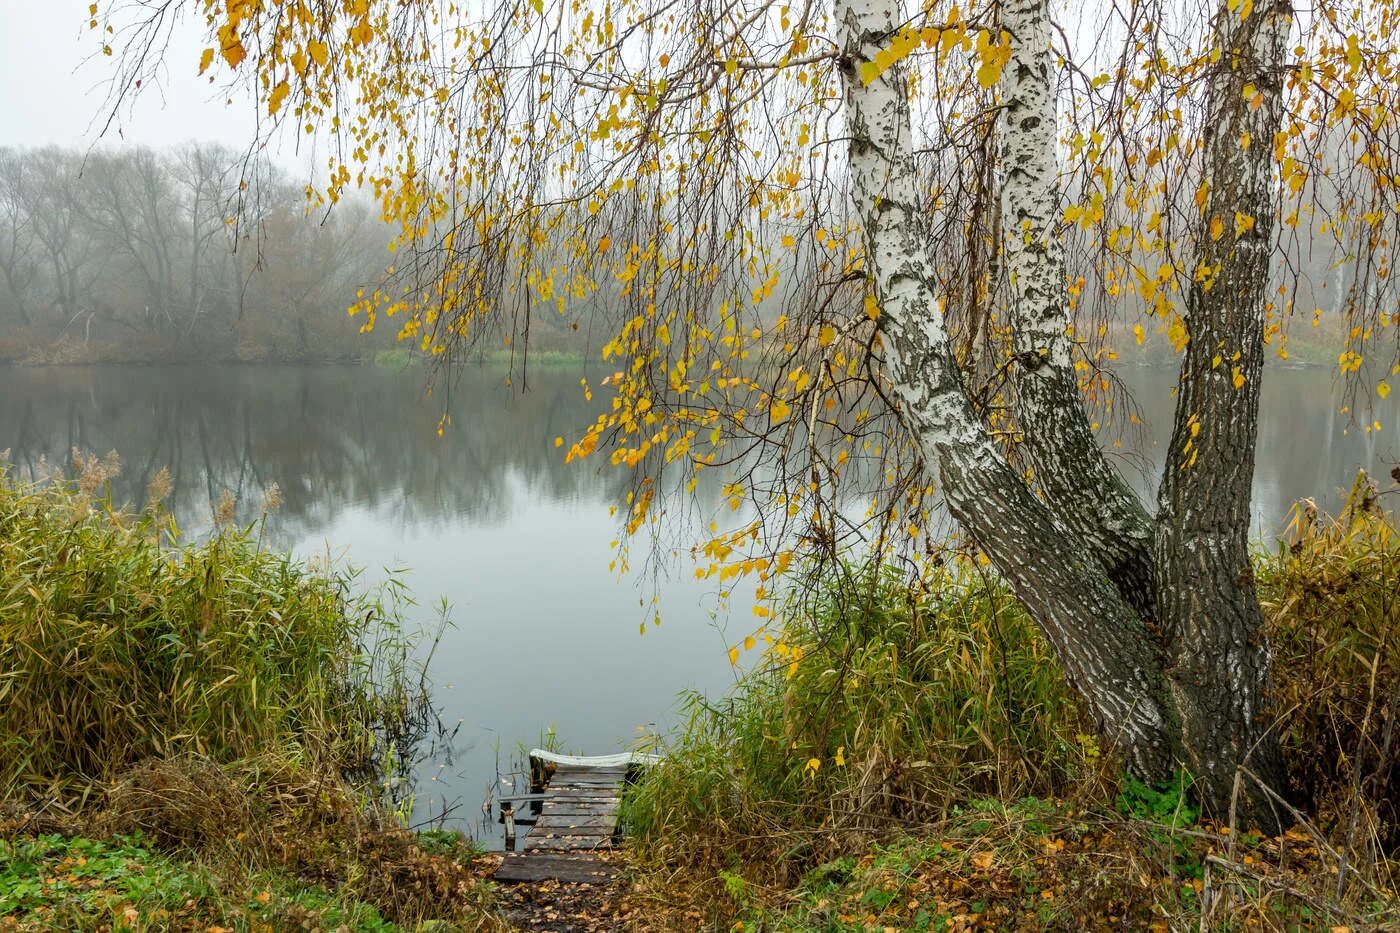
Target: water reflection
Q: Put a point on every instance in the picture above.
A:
(1307, 446)
(331, 437)
(490, 518)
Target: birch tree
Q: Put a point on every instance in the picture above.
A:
(857, 258)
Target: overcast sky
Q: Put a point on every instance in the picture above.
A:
(54, 89)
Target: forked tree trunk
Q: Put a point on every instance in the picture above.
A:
(1102, 643)
(1080, 556)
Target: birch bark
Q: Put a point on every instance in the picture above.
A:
(1102, 644)
(1070, 470)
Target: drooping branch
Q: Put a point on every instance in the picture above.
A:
(1101, 642)
(1070, 470)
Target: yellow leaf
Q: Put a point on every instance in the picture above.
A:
(279, 94)
(813, 765)
(983, 860)
(749, 643)
(826, 335)
(989, 73)
(604, 243)
(734, 655)
(362, 33)
(205, 60)
(1383, 389)
(1137, 332)
(234, 53)
(317, 51)
(780, 410)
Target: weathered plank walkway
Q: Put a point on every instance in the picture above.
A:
(573, 817)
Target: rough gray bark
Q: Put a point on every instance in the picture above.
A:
(1070, 470)
(1103, 645)
(1206, 596)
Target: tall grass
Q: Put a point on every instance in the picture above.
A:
(118, 645)
(882, 705)
(1331, 597)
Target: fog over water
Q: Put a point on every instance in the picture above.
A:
(490, 518)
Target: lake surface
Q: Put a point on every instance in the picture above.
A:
(489, 518)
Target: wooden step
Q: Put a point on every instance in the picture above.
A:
(551, 867)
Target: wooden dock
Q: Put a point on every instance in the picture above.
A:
(572, 812)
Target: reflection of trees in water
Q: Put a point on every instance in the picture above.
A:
(329, 437)
(1307, 446)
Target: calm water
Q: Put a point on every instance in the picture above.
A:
(489, 518)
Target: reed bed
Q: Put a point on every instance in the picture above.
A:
(118, 644)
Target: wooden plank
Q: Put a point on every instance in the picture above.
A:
(572, 797)
(548, 830)
(625, 758)
(564, 816)
(578, 819)
(571, 844)
(542, 867)
(573, 774)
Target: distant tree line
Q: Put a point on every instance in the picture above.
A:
(199, 252)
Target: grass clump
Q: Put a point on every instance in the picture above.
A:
(118, 646)
(1331, 598)
(230, 707)
(878, 706)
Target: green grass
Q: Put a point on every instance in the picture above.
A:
(404, 358)
(50, 882)
(396, 358)
(543, 358)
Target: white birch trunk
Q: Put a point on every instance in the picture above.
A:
(1070, 470)
(1102, 644)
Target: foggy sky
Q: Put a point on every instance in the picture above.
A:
(55, 87)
